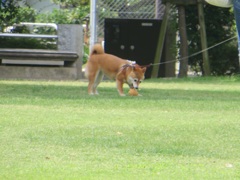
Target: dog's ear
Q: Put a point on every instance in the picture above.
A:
(144, 69)
(135, 67)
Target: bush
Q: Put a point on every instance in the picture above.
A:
(64, 16)
(28, 43)
(11, 15)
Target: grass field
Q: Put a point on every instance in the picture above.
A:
(179, 129)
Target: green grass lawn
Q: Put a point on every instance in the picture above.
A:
(179, 129)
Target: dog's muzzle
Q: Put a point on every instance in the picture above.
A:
(132, 87)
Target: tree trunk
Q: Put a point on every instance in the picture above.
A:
(183, 42)
(170, 50)
(206, 63)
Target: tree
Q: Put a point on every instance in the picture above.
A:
(219, 27)
(71, 12)
(183, 38)
(72, 3)
(8, 10)
(11, 13)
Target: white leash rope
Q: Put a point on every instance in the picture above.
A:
(194, 54)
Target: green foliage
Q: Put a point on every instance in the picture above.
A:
(25, 14)
(86, 54)
(72, 3)
(12, 14)
(8, 11)
(65, 16)
(219, 26)
(58, 16)
(72, 12)
(29, 43)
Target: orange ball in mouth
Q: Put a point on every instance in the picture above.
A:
(133, 92)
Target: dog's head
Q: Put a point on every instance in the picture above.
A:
(136, 76)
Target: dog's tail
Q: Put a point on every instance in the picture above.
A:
(97, 49)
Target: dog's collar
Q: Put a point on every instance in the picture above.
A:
(125, 66)
(131, 62)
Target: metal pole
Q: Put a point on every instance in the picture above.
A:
(93, 24)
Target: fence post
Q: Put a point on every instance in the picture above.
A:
(93, 23)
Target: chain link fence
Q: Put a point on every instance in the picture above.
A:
(126, 9)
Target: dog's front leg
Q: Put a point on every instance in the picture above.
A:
(120, 87)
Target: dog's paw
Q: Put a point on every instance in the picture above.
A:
(122, 95)
(92, 94)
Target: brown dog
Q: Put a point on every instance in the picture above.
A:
(123, 71)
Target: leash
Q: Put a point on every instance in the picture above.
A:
(192, 55)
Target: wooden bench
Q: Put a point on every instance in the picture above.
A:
(70, 47)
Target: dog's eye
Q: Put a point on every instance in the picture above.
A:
(135, 80)
(140, 81)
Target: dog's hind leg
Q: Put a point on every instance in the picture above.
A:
(90, 86)
(91, 81)
(98, 79)
(92, 73)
